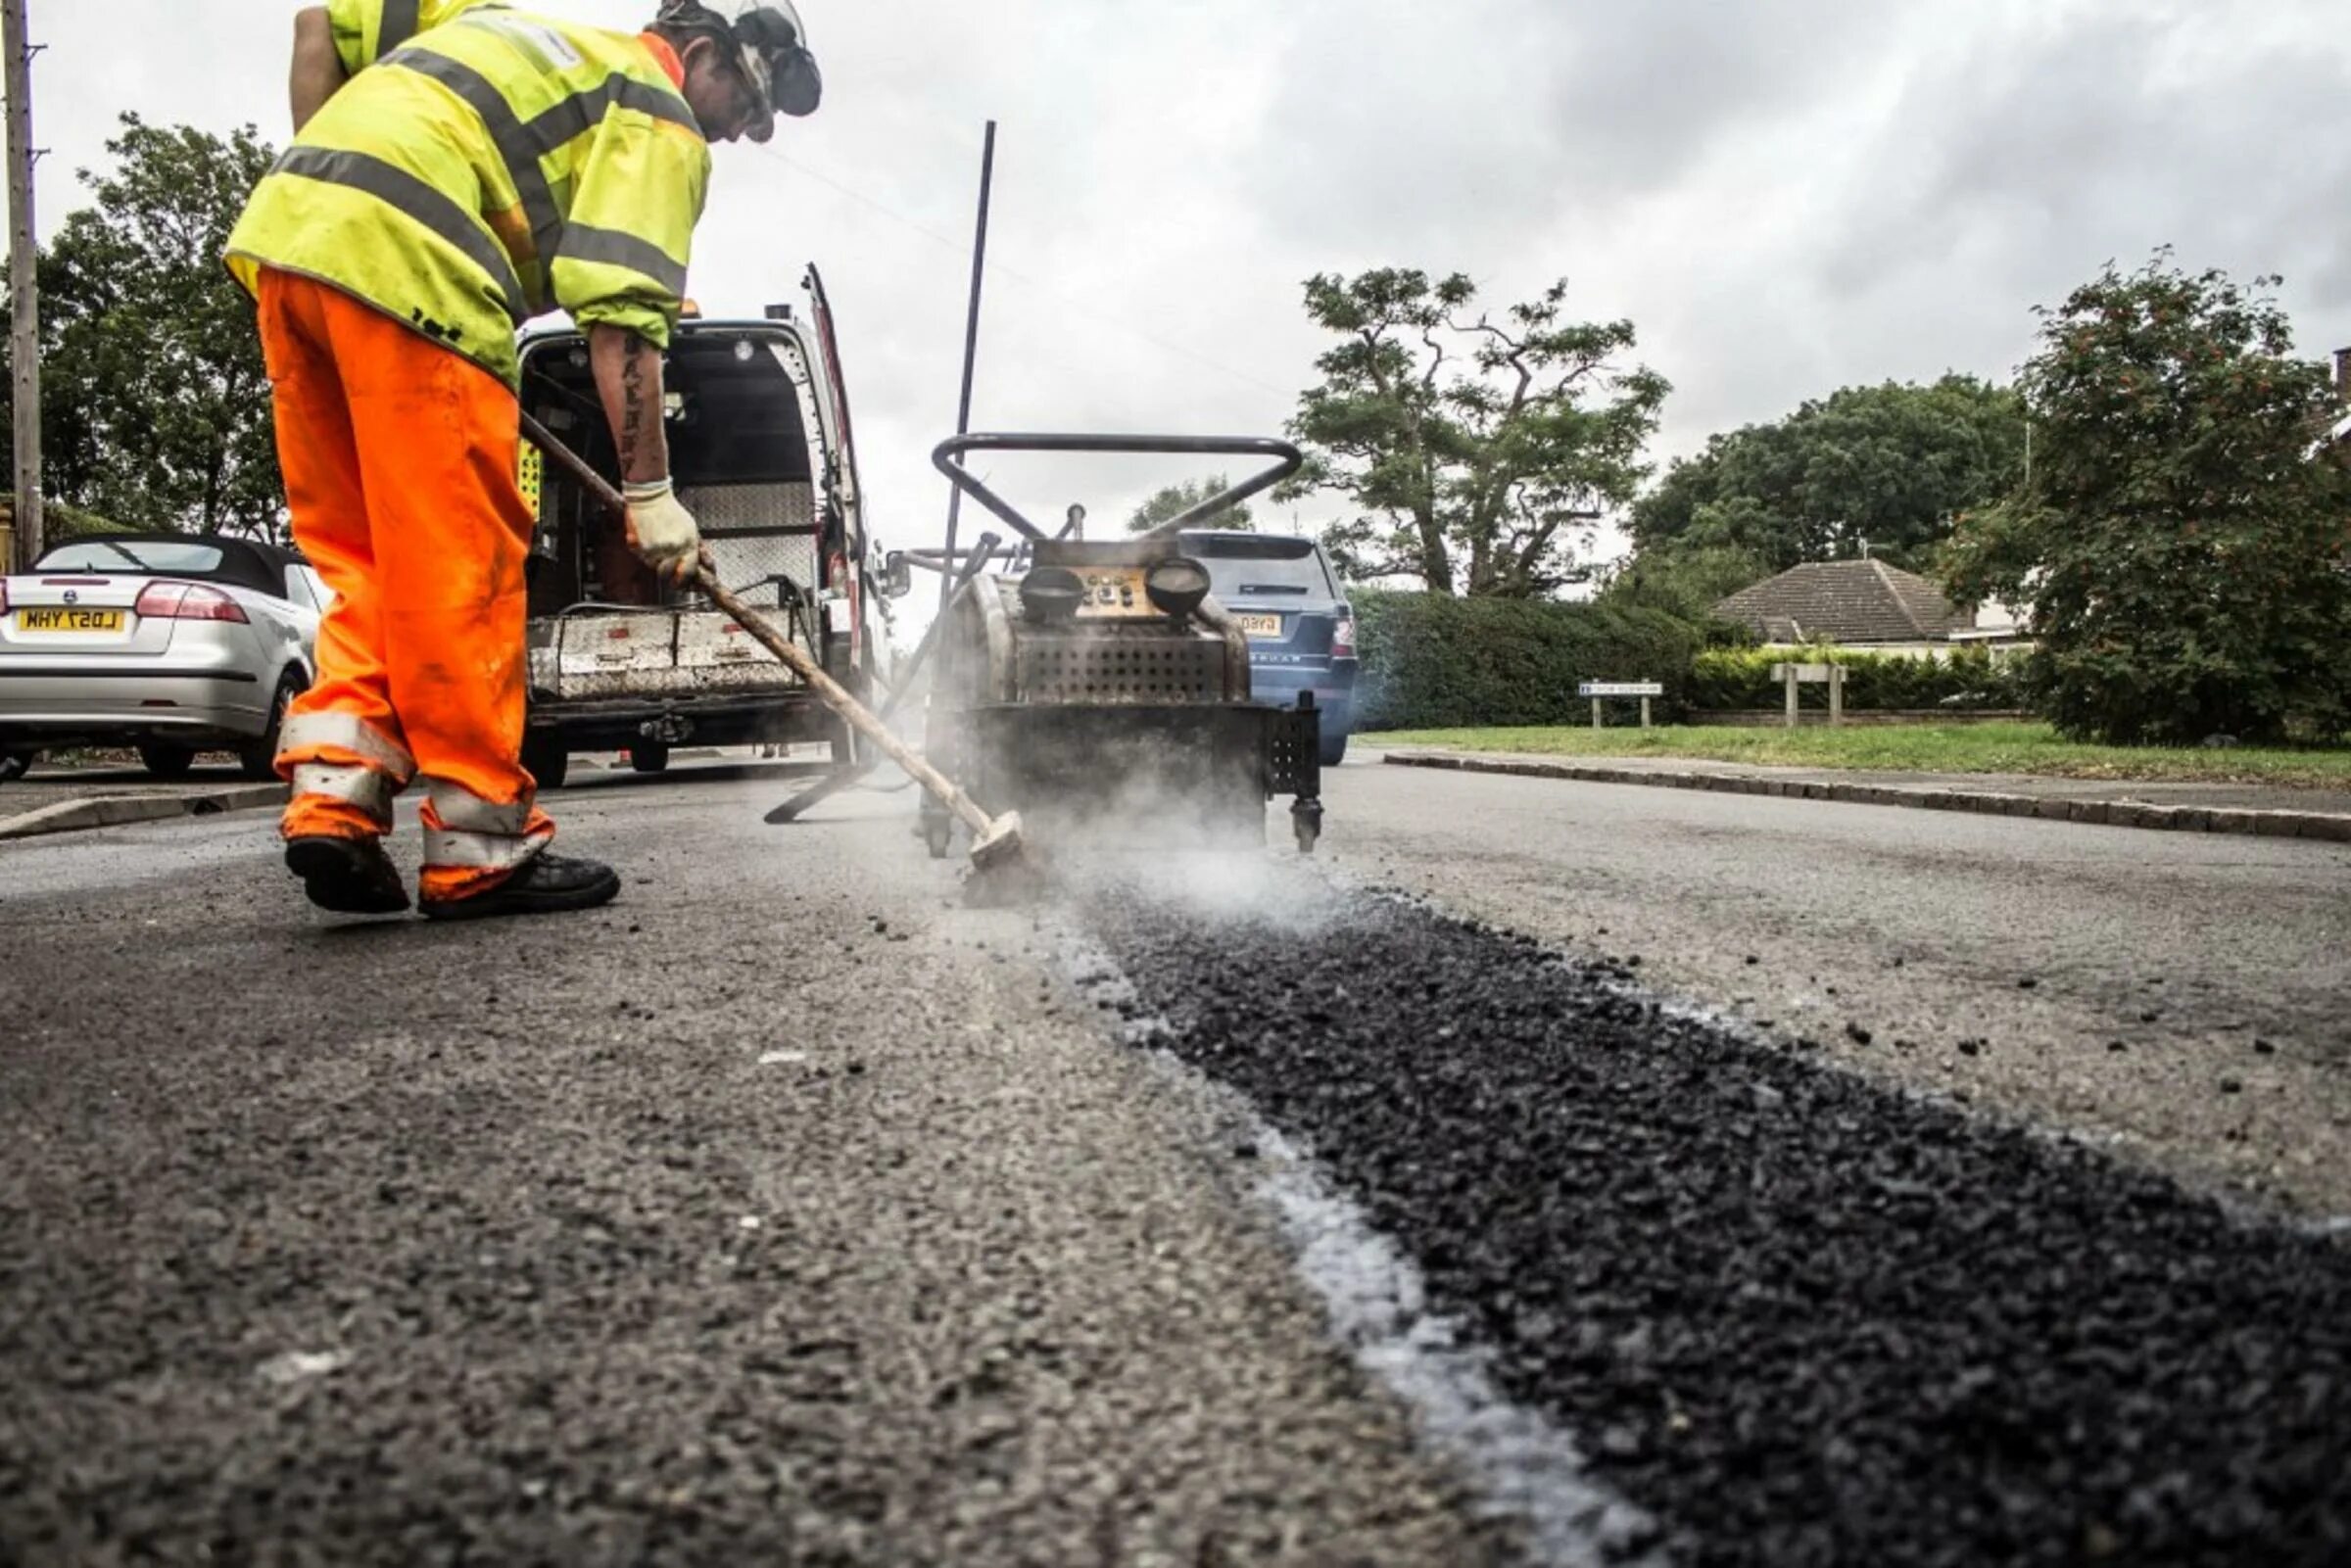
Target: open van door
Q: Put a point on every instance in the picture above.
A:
(846, 571)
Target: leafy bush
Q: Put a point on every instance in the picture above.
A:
(1433, 661)
(1969, 679)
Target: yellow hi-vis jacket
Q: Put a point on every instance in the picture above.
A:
(496, 168)
(366, 31)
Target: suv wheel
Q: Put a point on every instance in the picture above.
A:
(1334, 748)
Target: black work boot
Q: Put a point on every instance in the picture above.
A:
(546, 885)
(349, 875)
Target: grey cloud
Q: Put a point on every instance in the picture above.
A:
(1786, 196)
(1474, 122)
(2048, 159)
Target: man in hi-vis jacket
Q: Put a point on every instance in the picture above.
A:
(459, 168)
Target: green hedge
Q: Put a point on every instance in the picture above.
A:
(1969, 679)
(1431, 661)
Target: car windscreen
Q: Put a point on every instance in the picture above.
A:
(121, 557)
(1268, 567)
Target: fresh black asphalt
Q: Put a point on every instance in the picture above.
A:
(1800, 1318)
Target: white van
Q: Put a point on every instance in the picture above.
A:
(761, 449)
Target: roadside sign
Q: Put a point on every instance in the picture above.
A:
(1621, 689)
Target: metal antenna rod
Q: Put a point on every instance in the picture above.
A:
(970, 350)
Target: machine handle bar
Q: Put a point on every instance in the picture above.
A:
(1286, 460)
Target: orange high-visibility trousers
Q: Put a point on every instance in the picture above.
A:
(400, 468)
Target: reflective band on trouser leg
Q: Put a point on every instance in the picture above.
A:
(471, 845)
(317, 737)
(328, 783)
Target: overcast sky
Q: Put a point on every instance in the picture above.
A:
(1785, 196)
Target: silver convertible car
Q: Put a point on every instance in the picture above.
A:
(173, 643)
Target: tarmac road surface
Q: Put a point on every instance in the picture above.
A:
(780, 1214)
(1216, 1210)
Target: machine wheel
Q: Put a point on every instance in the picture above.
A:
(545, 758)
(165, 761)
(16, 764)
(257, 759)
(649, 757)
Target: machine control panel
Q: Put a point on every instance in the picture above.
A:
(1115, 594)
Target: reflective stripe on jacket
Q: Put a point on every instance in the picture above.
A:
(496, 167)
(366, 31)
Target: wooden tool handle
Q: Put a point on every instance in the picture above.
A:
(836, 697)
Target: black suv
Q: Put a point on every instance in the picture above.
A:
(1301, 630)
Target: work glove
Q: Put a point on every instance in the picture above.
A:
(662, 531)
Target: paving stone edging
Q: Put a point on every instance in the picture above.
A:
(115, 811)
(2329, 826)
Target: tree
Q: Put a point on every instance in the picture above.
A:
(155, 401)
(2186, 558)
(1890, 465)
(1477, 450)
(1688, 582)
(1172, 502)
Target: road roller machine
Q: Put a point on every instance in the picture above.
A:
(1099, 688)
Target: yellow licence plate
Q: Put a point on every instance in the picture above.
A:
(68, 619)
(1261, 625)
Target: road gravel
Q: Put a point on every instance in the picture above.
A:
(787, 1211)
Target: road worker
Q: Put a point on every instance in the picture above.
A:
(458, 181)
(333, 43)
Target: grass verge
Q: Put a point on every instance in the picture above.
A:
(2022, 748)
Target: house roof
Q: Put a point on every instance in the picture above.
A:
(1846, 602)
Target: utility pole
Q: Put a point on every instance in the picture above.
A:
(25, 299)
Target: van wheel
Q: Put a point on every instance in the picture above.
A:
(649, 757)
(545, 758)
(257, 759)
(165, 761)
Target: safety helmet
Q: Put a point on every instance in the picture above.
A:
(772, 49)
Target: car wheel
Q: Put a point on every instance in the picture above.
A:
(545, 758)
(16, 764)
(649, 757)
(258, 759)
(168, 762)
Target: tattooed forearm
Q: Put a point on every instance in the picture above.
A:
(632, 404)
(628, 378)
